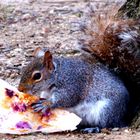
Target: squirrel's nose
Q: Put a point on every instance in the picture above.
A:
(21, 88)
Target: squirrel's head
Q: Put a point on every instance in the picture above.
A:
(36, 72)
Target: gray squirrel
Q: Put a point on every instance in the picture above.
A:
(86, 88)
(83, 84)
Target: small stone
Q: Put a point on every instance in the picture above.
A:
(13, 75)
(26, 16)
(126, 131)
(51, 11)
(105, 131)
(115, 129)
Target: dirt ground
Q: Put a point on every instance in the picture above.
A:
(28, 24)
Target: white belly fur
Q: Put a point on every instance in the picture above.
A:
(91, 113)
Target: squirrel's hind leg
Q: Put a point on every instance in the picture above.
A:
(86, 129)
(91, 130)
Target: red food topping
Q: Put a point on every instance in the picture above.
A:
(20, 107)
(23, 125)
(9, 93)
(39, 127)
(47, 113)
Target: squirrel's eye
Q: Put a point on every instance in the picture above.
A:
(37, 76)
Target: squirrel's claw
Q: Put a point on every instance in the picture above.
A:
(38, 109)
(44, 110)
(41, 106)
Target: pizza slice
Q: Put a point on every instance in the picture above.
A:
(17, 116)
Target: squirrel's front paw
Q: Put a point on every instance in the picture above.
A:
(41, 105)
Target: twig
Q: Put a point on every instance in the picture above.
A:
(14, 68)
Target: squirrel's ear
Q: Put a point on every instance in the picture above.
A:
(38, 52)
(48, 61)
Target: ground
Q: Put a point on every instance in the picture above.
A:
(28, 24)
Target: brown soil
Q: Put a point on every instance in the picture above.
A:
(27, 24)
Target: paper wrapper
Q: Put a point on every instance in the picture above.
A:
(17, 117)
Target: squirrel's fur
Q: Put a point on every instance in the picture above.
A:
(117, 45)
(85, 86)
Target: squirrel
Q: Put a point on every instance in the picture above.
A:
(80, 85)
(84, 84)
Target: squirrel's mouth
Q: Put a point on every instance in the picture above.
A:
(42, 93)
(45, 94)
(30, 92)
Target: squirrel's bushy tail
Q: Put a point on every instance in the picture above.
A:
(115, 42)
